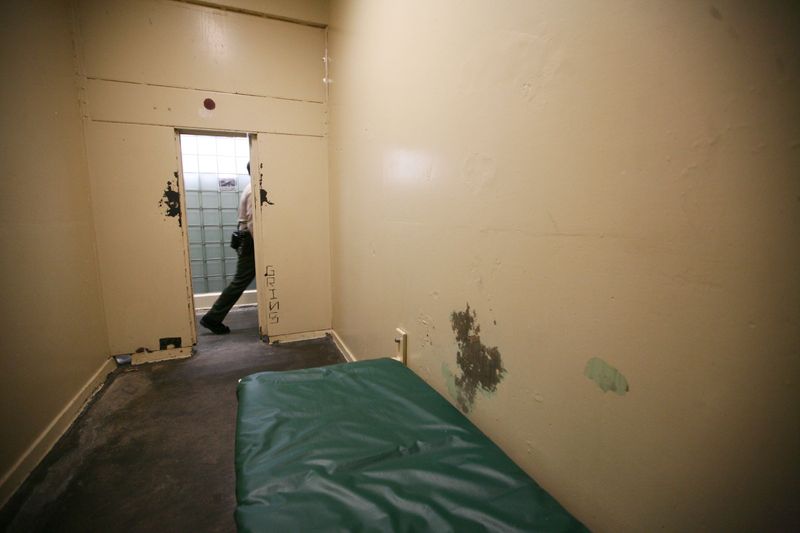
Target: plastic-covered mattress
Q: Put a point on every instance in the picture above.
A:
(369, 446)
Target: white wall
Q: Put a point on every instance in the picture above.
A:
(53, 339)
(596, 179)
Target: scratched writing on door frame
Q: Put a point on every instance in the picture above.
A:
(273, 303)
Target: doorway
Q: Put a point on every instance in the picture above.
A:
(214, 176)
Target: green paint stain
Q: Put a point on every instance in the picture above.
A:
(606, 376)
(449, 381)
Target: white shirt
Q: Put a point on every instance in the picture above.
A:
(246, 208)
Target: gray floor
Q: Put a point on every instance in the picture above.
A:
(154, 451)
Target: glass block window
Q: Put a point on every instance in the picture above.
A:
(214, 175)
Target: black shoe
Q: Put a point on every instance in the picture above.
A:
(217, 328)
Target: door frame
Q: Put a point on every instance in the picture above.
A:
(186, 262)
(257, 171)
(254, 164)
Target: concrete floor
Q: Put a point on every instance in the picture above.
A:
(154, 450)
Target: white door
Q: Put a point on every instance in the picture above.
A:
(141, 240)
(290, 191)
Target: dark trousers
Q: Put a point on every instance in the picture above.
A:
(245, 273)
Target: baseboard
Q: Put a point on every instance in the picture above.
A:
(337, 340)
(294, 337)
(140, 358)
(58, 426)
(203, 302)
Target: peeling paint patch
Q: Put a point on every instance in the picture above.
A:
(426, 323)
(168, 343)
(263, 193)
(171, 201)
(450, 381)
(263, 197)
(481, 366)
(606, 376)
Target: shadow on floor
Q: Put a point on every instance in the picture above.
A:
(154, 449)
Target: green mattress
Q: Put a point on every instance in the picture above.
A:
(369, 446)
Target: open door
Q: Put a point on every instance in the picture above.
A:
(141, 240)
(290, 190)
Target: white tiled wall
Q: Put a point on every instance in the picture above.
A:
(212, 213)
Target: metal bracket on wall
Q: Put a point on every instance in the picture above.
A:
(401, 342)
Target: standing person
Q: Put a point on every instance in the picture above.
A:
(245, 268)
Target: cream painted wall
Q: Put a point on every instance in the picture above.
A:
(173, 44)
(54, 335)
(146, 68)
(596, 179)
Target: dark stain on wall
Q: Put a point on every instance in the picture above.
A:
(166, 343)
(263, 192)
(171, 201)
(715, 13)
(264, 199)
(481, 366)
